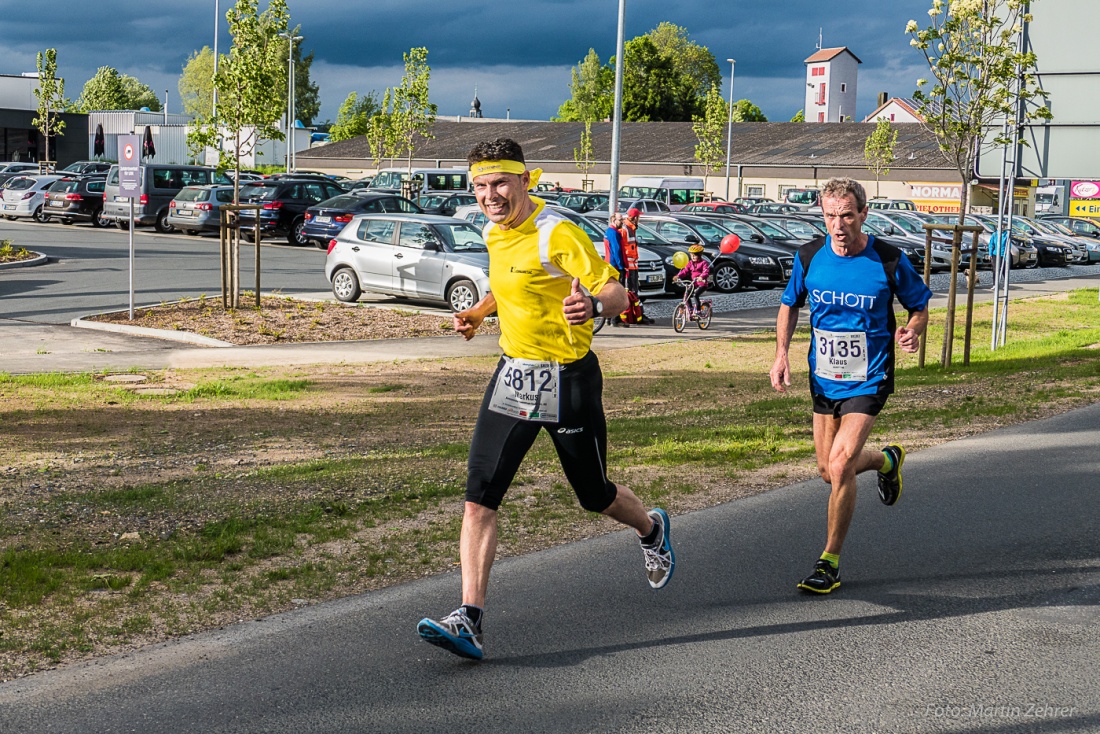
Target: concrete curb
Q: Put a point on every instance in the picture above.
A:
(40, 260)
(175, 336)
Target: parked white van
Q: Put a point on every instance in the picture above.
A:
(676, 191)
(428, 180)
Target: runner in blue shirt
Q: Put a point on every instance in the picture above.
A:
(850, 281)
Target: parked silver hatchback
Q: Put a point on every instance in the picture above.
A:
(416, 256)
(198, 208)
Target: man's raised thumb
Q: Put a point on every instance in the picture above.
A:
(576, 287)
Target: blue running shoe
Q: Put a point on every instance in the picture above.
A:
(660, 561)
(456, 632)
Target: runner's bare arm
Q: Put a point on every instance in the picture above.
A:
(784, 331)
(467, 322)
(908, 336)
(577, 307)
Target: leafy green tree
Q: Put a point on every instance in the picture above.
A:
(251, 83)
(972, 54)
(746, 111)
(380, 131)
(102, 92)
(799, 116)
(413, 114)
(50, 94)
(307, 95)
(878, 150)
(666, 77)
(196, 84)
(583, 154)
(695, 65)
(353, 117)
(137, 95)
(651, 89)
(593, 92)
(708, 131)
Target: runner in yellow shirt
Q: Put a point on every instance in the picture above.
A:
(548, 283)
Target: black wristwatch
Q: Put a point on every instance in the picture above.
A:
(597, 307)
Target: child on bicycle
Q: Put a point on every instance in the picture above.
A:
(697, 271)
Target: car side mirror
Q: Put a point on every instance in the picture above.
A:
(692, 239)
(431, 246)
(890, 229)
(757, 238)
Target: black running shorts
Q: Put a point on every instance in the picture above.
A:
(865, 404)
(500, 442)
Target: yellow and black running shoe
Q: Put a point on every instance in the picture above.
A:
(889, 484)
(824, 579)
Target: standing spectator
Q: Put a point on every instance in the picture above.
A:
(629, 233)
(998, 247)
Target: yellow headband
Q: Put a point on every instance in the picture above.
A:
(484, 167)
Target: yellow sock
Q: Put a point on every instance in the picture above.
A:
(832, 558)
(887, 464)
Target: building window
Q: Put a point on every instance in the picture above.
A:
(817, 71)
(752, 190)
(821, 94)
(891, 117)
(821, 117)
(843, 88)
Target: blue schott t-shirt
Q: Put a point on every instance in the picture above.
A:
(852, 314)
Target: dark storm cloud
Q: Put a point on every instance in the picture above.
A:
(517, 53)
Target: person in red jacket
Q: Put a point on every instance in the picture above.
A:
(629, 234)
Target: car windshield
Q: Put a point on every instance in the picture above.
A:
(710, 232)
(907, 224)
(430, 202)
(64, 186)
(20, 184)
(773, 231)
(589, 229)
(344, 201)
(193, 193)
(257, 192)
(802, 197)
(647, 236)
(800, 229)
(462, 237)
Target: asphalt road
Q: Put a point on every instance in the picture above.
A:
(971, 605)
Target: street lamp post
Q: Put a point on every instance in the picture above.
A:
(214, 99)
(729, 131)
(290, 98)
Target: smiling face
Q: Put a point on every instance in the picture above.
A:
(503, 198)
(844, 223)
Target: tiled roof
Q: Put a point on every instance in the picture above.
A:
(754, 143)
(826, 54)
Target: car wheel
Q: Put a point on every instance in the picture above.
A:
(727, 278)
(295, 236)
(345, 286)
(461, 295)
(39, 217)
(162, 225)
(123, 224)
(98, 220)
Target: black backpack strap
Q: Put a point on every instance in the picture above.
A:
(805, 256)
(890, 256)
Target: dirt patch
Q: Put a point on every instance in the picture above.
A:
(281, 320)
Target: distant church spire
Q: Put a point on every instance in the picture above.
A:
(475, 106)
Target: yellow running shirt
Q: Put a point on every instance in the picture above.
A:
(531, 271)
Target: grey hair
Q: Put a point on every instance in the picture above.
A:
(841, 187)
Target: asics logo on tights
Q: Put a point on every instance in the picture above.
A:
(570, 430)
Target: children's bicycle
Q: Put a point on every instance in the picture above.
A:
(685, 312)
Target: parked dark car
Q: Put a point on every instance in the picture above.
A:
(774, 208)
(284, 203)
(804, 227)
(444, 204)
(1050, 253)
(714, 207)
(11, 170)
(753, 264)
(325, 220)
(83, 168)
(77, 199)
(199, 208)
(582, 201)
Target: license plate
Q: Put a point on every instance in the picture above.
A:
(184, 213)
(57, 203)
(121, 198)
(653, 279)
(323, 220)
(9, 207)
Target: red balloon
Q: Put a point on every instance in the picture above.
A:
(729, 245)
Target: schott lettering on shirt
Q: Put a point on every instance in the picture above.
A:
(836, 298)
